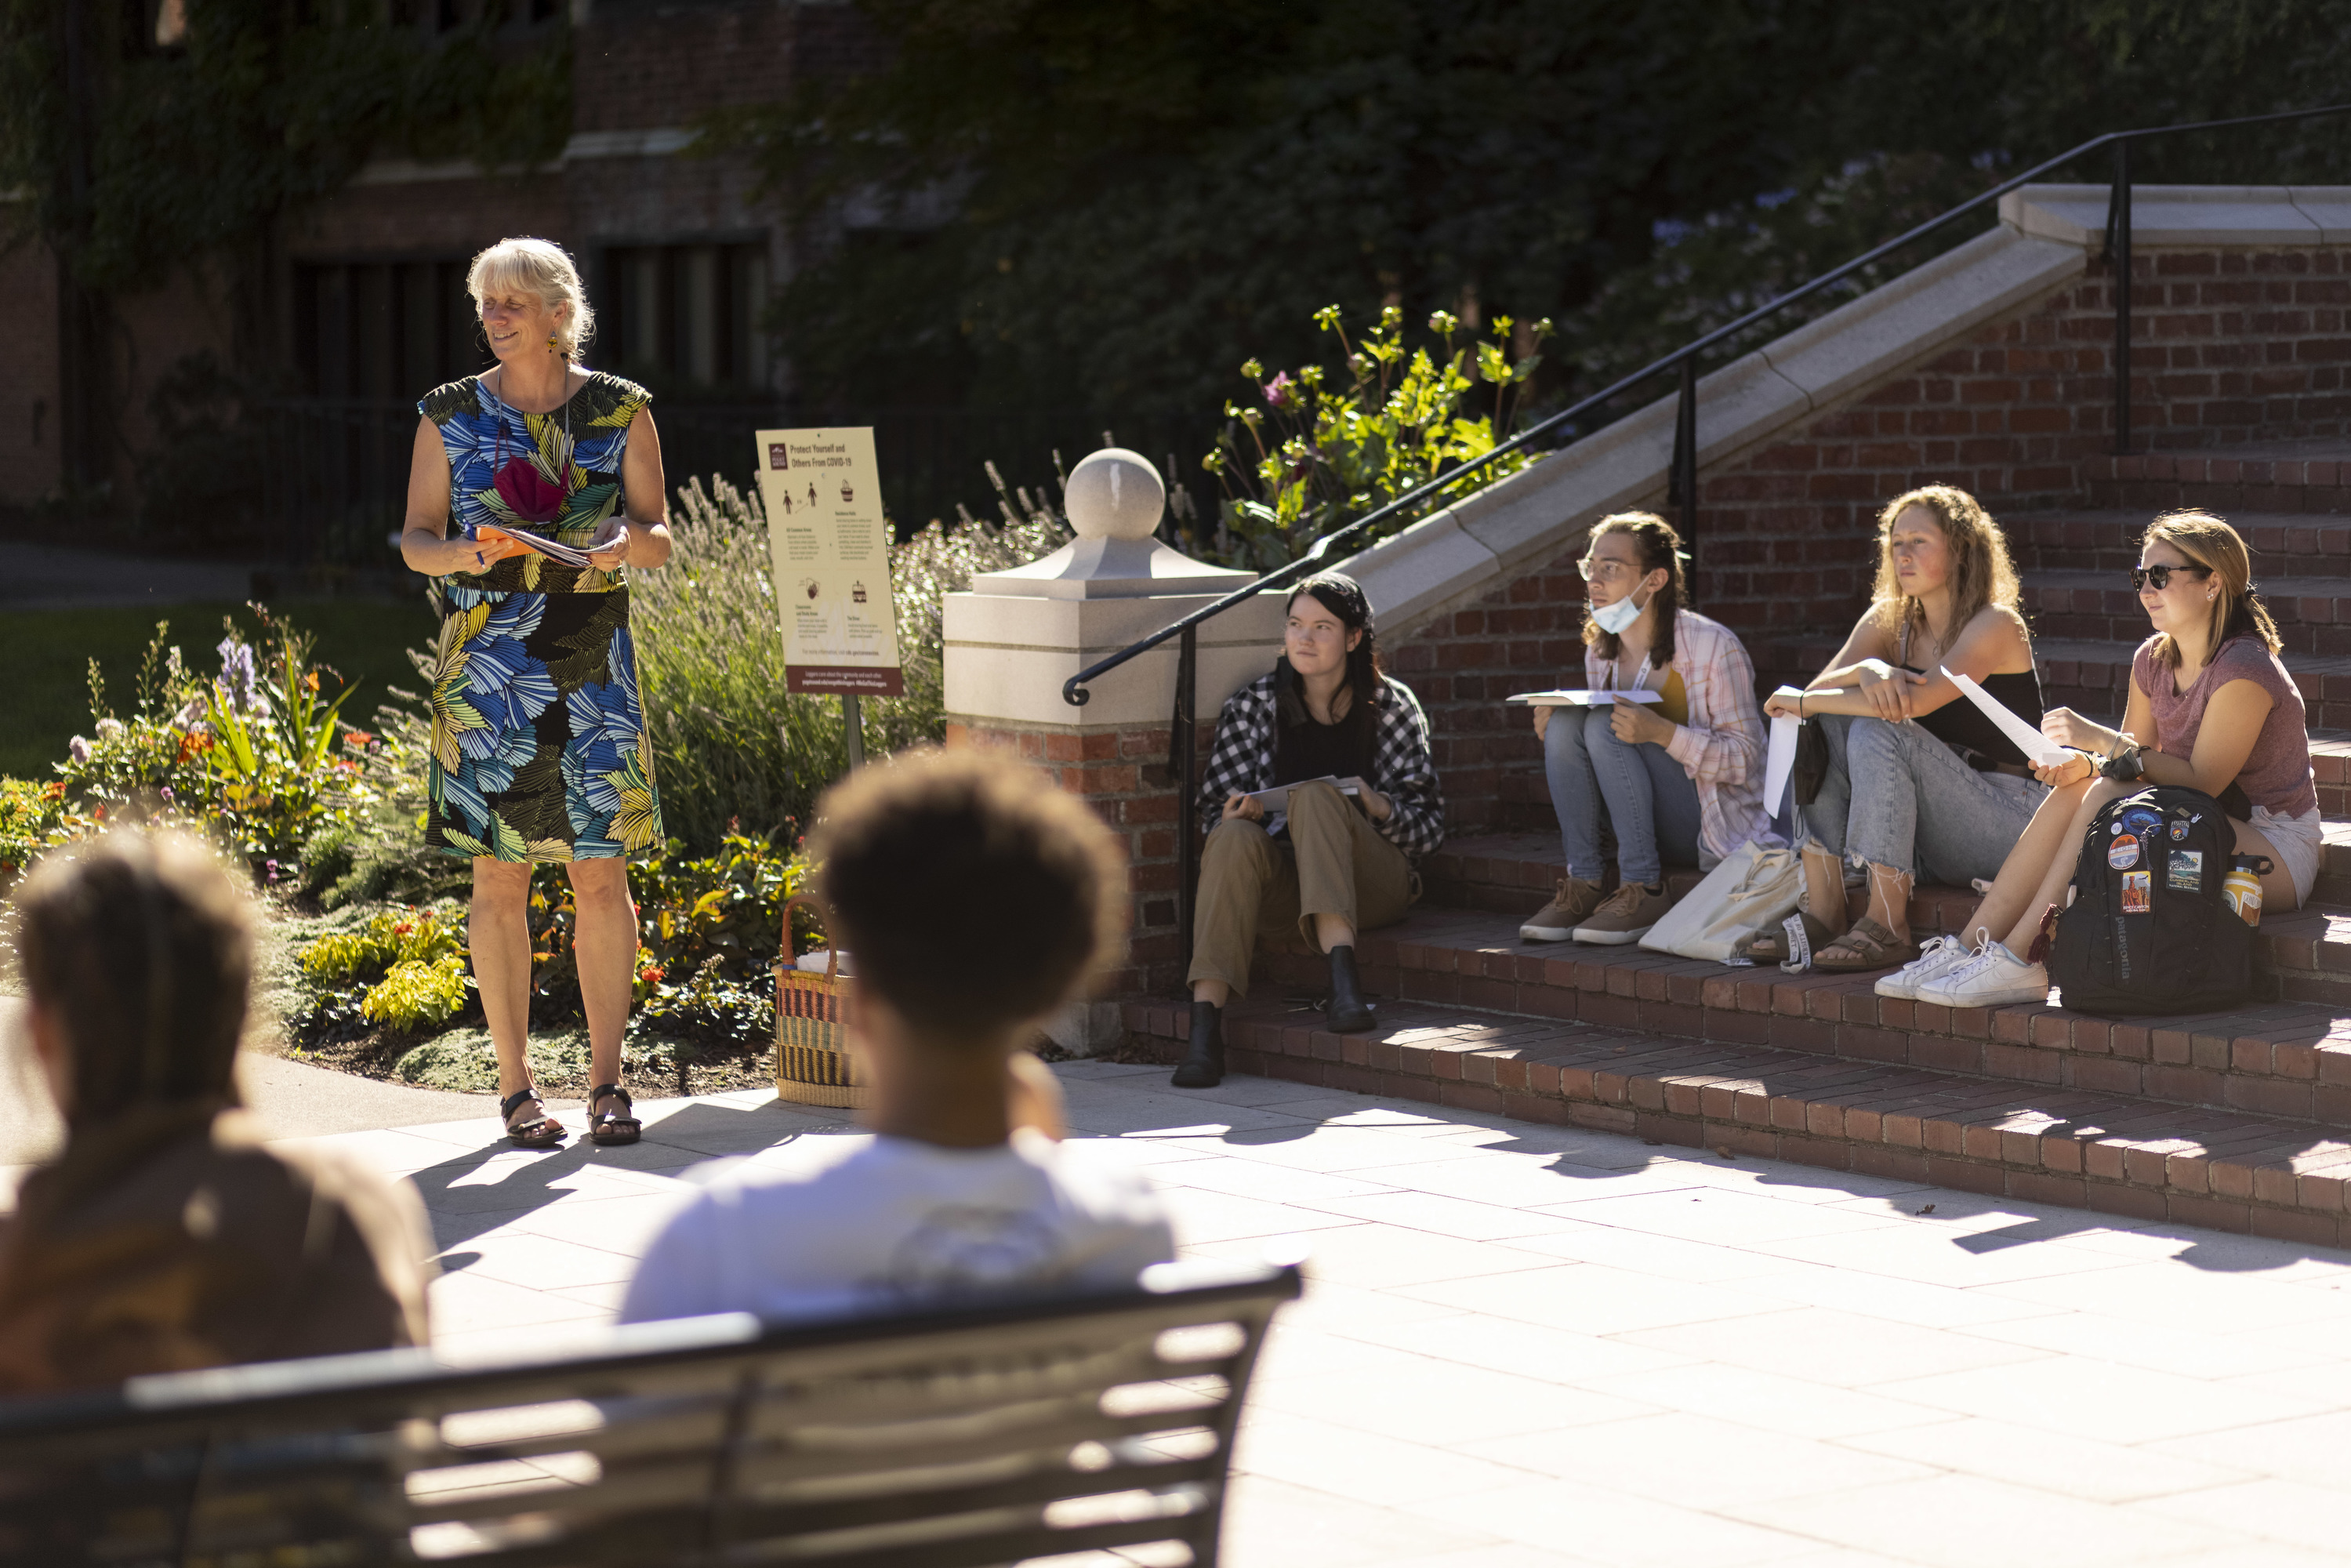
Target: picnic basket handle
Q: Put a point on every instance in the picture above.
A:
(831, 948)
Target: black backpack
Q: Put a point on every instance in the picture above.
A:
(2149, 931)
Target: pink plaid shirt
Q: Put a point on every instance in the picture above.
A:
(1721, 746)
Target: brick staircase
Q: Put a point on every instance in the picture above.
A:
(2239, 1121)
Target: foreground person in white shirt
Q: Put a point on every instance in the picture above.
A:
(977, 898)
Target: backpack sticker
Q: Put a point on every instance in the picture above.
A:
(2135, 892)
(2123, 853)
(2178, 829)
(2187, 871)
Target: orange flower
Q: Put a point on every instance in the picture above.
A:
(310, 681)
(53, 790)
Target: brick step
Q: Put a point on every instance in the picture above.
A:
(2283, 544)
(2115, 1153)
(2312, 613)
(2077, 672)
(2284, 1057)
(2289, 476)
(1513, 872)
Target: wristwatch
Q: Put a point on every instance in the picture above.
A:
(2124, 765)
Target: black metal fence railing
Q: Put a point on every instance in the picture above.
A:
(1577, 420)
(335, 487)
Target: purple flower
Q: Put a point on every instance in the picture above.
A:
(168, 797)
(239, 681)
(1277, 390)
(271, 867)
(78, 749)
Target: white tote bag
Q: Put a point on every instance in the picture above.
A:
(1752, 890)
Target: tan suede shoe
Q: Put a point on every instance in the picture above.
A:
(1626, 917)
(1568, 908)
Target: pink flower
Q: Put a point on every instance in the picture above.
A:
(529, 494)
(1277, 390)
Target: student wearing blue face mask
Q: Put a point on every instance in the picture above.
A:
(1682, 778)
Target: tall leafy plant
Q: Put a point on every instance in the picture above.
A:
(1327, 448)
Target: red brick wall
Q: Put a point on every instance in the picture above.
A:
(1123, 774)
(2227, 348)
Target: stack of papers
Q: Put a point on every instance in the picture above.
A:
(485, 533)
(1583, 699)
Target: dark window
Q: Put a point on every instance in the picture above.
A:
(685, 316)
(384, 329)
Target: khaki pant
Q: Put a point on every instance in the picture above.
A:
(1335, 863)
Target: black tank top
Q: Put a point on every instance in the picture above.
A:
(1959, 725)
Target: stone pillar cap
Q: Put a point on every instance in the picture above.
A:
(1114, 499)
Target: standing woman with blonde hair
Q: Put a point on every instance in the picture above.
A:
(540, 750)
(2211, 707)
(1921, 784)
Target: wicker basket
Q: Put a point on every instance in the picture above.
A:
(813, 1065)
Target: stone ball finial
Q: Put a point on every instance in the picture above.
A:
(1114, 493)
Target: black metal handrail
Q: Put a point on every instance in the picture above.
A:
(1685, 358)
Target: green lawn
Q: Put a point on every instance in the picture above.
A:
(48, 654)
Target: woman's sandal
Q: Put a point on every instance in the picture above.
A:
(541, 1132)
(1771, 946)
(605, 1127)
(1868, 946)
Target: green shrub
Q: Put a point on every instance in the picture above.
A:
(731, 746)
(417, 992)
(393, 937)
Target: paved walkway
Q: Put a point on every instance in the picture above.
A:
(1527, 1346)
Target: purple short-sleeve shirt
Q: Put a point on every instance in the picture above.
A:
(2276, 773)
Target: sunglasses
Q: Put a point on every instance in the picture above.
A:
(2161, 576)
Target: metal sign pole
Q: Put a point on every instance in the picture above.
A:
(853, 730)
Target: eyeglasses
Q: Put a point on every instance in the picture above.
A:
(2161, 576)
(1604, 570)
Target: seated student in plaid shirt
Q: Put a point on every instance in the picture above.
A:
(1333, 864)
(1682, 778)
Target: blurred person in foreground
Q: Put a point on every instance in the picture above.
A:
(977, 899)
(167, 1236)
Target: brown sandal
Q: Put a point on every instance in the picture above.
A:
(1868, 946)
(606, 1128)
(1771, 946)
(541, 1132)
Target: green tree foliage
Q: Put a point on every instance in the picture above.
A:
(1145, 193)
(197, 152)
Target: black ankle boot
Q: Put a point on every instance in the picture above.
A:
(1349, 1014)
(1203, 1066)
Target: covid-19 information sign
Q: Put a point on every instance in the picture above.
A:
(830, 546)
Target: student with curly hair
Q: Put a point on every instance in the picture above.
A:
(1921, 783)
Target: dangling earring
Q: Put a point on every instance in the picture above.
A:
(550, 340)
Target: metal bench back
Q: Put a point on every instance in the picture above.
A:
(978, 1436)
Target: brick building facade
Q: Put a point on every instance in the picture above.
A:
(681, 252)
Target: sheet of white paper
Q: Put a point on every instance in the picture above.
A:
(2029, 739)
(1582, 698)
(1778, 761)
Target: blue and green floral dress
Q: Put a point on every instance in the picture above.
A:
(540, 750)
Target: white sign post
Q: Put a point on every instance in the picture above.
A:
(829, 545)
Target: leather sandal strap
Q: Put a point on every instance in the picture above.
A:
(1868, 941)
(514, 1102)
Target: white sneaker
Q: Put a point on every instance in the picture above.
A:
(1935, 959)
(1992, 978)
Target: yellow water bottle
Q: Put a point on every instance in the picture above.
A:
(2244, 888)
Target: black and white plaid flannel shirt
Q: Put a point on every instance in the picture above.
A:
(1241, 762)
